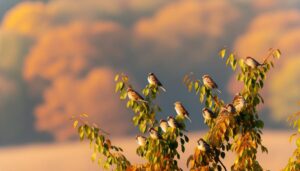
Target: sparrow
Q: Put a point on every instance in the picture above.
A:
(207, 114)
(228, 109)
(163, 125)
(202, 145)
(251, 62)
(239, 102)
(141, 140)
(153, 80)
(210, 83)
(154, 134)
(172, 122)
(180, 110)
(135, 96)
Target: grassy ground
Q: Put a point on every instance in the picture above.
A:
(75, 156)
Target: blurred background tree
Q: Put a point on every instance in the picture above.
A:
(294, 160)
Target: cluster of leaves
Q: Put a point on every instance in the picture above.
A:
(294, 160)
(229, 129)
(160, 153)
(101, 145)
(238, 131)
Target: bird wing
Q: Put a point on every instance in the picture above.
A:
(212, 82)
(155, 79)
(137, 95)
(182, 108)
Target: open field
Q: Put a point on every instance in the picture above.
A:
(75, 156)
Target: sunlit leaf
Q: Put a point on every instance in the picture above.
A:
(75, 123)
(222, 53)
(94, 156)
(117, 77)
(277, 53)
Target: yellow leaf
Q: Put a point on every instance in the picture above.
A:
(277, 53)
(117, 77)
(94, 156)
(75, 123)
(84, 115)
(222, 53)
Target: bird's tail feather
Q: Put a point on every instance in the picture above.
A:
(163, 89)
(219, 91)
(188, 118)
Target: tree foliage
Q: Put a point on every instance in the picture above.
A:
(294, 160)
(232, 126)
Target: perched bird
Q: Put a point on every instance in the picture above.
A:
(203, 146)
(163, 125)
(141, 140)
(172, 122)
(180, 110)
(210, 83)
(239, 102)
(251, 62)
(207, 114)
(154, 134)
(230, 108)
(135, 96)
(153, 80)
(227, 109)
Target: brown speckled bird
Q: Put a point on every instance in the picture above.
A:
(239, 102)
(180, 110)
(228, 109)
(163, 125)
(141, 140)
(153, 80)
(154, 134)
(135, 96)
(172, 122)
(203, 146)
(210, 83)
(207, 114)
(251, 62)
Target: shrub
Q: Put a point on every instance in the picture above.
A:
(232, 126)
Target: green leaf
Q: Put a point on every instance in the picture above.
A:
(222, 53)
(121, 85)
(196, 85)
(261, 83)
(223, 155)
(259, 124)
(117, 87)
(234, 64)
(181, 141)
(182, 148)
(146, 91)
(292, 136)
(227, 61)
(186, 138)
(94, 156)
(123, 95)
(143, 126)
(190, 86)
(219, 168)
(117, 77)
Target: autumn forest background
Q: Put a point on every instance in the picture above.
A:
(58, 58)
